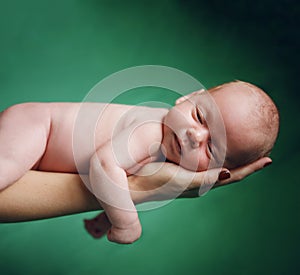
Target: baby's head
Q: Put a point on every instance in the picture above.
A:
(192, 136)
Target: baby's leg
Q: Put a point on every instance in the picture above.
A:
(24, 130)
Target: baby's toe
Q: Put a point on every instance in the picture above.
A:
(94, 229)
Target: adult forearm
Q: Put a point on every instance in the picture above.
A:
(40, 195)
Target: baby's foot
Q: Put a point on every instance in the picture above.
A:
(125, 235)
(98, 226)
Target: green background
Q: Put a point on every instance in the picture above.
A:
(58, 50)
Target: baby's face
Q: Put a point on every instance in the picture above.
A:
(193, 137)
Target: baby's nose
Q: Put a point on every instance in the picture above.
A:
(197, 136)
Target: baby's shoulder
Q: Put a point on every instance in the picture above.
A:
(147, 123)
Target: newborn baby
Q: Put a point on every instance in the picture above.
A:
(40, 136)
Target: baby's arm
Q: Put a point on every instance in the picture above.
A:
(24, 131)
(109, 181)
(109, 184)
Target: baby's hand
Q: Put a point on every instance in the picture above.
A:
(125, 235)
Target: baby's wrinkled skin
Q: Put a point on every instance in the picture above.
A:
(40, 136)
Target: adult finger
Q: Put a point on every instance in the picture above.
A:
(244, 171)
(204, 181)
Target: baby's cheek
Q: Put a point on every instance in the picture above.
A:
(195, 162)
(189, 164)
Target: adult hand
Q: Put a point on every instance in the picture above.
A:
(231, 176)
(166, 180)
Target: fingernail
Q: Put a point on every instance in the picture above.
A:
(224, 175)
(267, 164)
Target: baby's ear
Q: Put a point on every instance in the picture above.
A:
(186, 97)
